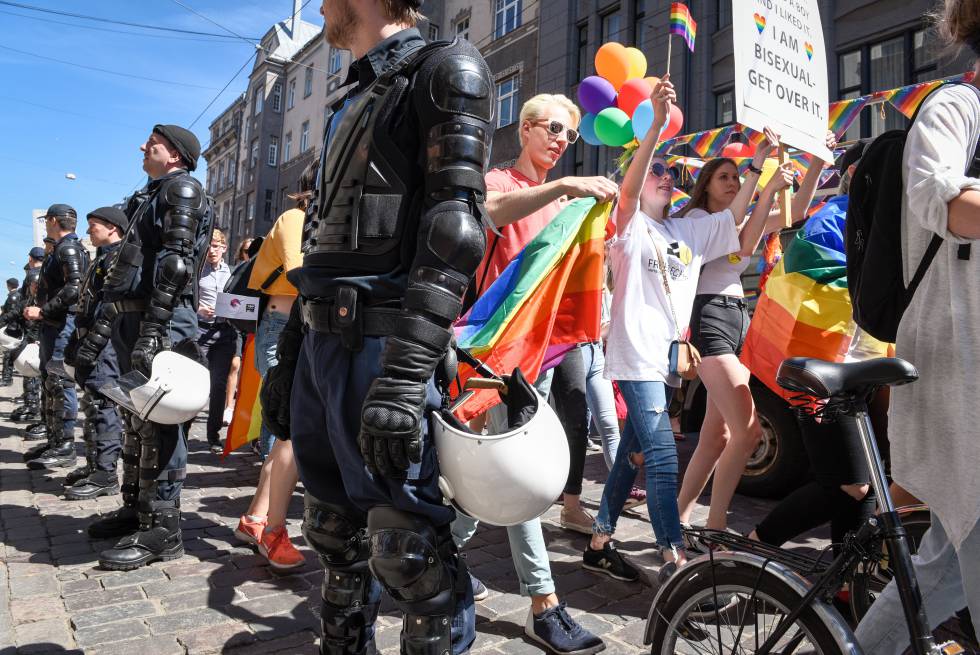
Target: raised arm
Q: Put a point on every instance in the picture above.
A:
(512, 206)
(753, 229)
(804, 196)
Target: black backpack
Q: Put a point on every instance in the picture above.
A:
(238, 285)
(873, 241)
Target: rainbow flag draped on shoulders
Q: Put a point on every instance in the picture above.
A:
(547, 300)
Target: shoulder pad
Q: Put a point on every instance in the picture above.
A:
(458, 80)
(183, 190)
(68, 249)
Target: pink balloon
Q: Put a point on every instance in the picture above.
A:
(737, 150)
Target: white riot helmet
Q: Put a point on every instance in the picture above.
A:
(178, 389)
(28, 362)
(8, 342)
(508, 478)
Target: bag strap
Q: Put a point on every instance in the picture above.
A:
(489, 258)
(666, 281)
(273, 276)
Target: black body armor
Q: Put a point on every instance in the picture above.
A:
(61, 279)
(93, 322)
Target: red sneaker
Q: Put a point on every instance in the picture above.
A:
(279, 550)
(250, 531)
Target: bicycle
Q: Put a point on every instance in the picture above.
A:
(756, 598)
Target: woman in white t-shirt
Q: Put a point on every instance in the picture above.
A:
(641, 330)
(719, 322)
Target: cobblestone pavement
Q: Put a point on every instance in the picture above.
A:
(222, 597)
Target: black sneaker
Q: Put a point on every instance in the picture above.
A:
(480, 591)
(559, 633)
(609, 561)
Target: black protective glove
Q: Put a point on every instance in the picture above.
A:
(277, 385)
(391, 426)
(85, 354)
(153, 339)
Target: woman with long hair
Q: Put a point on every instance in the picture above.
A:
(656, 261)
(719, 322)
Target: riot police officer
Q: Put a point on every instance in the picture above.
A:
(151, 287)
(13, 299)
(57, 296)
(390, 244)
(94, 359)
(30, 409)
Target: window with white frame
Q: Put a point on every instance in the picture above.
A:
(463, 28)
(221, 175)
(336, 61)
(291, 94)
(507, 17)
(308, 83)
(250, 203)
(433, 32)
(277, 97)
(253, 158)
(287, 147)
(304, 137)
(508, 101)
(257, 98)
(273, 151)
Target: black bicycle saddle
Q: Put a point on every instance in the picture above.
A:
(822, 379)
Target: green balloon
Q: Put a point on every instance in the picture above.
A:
(613, 127)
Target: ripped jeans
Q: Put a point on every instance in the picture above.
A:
(648, 431)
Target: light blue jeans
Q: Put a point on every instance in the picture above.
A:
(602, 402)
(527, 546)
(949, 581)
(648, 431)
(266, 340)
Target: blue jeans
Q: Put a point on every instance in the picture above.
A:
(266, 344)
(601, 401)
(648, 431)
(948, 579)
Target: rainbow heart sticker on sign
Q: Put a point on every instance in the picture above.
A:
(809, 50)
(760, 22)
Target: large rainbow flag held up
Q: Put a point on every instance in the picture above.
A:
(246, 423)
(547, 300)
(805, 309)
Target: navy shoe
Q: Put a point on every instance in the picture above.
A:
(559, 633)
(480, 591)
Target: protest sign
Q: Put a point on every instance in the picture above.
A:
(781, 71)
(244, 308)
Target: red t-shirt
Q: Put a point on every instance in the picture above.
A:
(516, 235)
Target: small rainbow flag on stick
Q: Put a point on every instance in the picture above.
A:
(843, 113)
(683, 24)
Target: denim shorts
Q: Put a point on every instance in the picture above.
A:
(719, 324)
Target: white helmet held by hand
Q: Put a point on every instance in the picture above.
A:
(28, 362)
(508, 478)
(8, 342)
(178, 389)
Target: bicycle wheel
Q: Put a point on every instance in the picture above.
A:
(750, 606)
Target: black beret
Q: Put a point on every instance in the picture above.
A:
(59, 209)
(112, 216)
(12, 282)
(183, 140)
(37, 252)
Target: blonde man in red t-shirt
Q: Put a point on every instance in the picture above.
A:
(521, 202)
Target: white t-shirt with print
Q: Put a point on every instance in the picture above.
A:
(721, 276)
(641, 328)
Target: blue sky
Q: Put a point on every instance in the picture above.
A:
(59, 119)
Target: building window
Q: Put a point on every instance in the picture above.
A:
(583, 52)
(640, 16)
(277, 97)
(849, 86)
(724, 14)
(724, 108)
(463, 28)
(221, 175)
(507, 17)
(215, 133)
(308, 83)
(612, 25)
(253, 158)
(257, 99)
(433, 32)
(273, 151)
(287, 147)
(336, 61)
(267, 208)
(304, 137)
(507, 101)
(291, 95)
(232, 168)
(250, 203)
(924, 57)
(887, 70)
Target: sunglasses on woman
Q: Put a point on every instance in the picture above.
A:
(659, 170)
(557, 128)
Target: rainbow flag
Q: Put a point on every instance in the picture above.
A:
(677, 200)
(843, 113)
(246, 423)
(682, 23)
(546, 300)
(908, 98)
(805, 309)
(711, 142)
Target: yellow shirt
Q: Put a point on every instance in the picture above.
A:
(281, 247)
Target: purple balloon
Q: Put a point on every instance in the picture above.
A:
(595, 94)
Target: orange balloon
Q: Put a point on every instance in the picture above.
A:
(637, 63)
(612, 62)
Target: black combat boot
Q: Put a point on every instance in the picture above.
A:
(58, 457)
(124, 521)
(98, 483)
(78, 474)
(158, 538)
(35, 432)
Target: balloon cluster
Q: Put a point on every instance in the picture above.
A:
(617, 100)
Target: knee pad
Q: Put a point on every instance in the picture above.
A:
(335, 533)
(411, 560)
